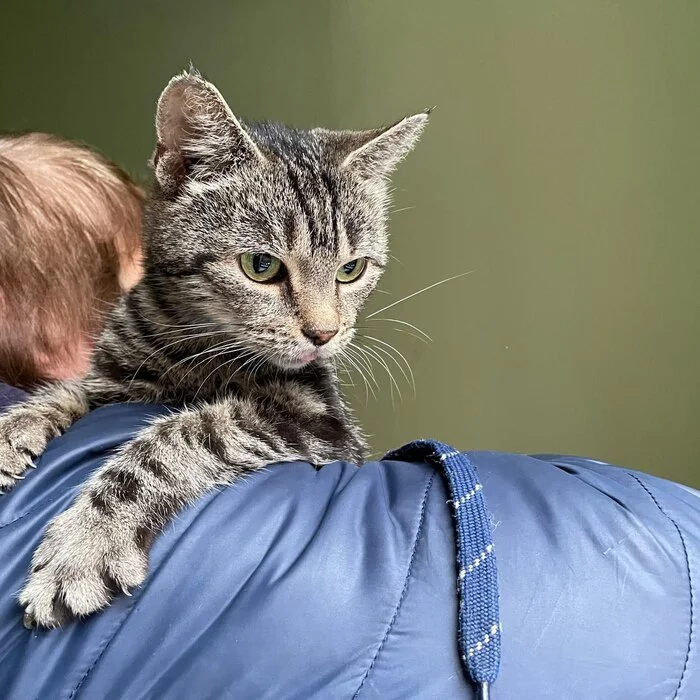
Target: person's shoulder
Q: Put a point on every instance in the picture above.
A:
(9, 396)
(578, 492)
(301, 571)
(580, 475)
(598, 568)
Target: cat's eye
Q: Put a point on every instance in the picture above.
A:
(261, 267)
(351, 270)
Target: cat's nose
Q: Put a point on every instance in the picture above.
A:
(318, 337)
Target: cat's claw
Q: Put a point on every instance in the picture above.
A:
(29, 620)
(78, 568)
(24, 434)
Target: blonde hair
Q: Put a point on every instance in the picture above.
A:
(70, 236)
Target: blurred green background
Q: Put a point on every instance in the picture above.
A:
(561, 165)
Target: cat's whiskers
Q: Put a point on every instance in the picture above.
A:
(261, 361)
(190, 358)
(220, 352)
(368, 387)
(406, 323)
(389, 353)
(398, 211)
(343, 368)
(243, 354)
(420, 291)
(217, 369)
(177, 331)
(182, 339)
(256, 360)
(365, 365)
(405, 332)
(347, 353)
(248, 373)
(220, 349)
(365, 359)
(204, 381)
(393, 383)
(359, 356)
(412, 335)
(180, 326)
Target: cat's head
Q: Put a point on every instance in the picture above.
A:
(275, 234)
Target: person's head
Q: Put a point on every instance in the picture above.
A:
(70, 243)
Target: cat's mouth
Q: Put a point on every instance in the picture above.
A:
(300, 360)
(308, 356)
(303, 354)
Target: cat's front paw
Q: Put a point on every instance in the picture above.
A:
(82, 562)
(24, 434)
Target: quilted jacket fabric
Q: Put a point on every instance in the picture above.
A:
(341, 583)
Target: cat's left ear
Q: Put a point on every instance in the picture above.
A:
(377, 152)
(198, 134)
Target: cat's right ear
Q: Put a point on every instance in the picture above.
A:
(199, 137)
(374, 154)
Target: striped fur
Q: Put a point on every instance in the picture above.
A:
(197, 334)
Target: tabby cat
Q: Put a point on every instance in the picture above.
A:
(262, 244)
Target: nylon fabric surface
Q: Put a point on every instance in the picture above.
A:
(341, 583)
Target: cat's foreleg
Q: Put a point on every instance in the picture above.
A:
(99, 546)
(26, 429)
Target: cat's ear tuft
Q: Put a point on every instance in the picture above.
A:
(193, 72)
(376, 153)
(198, 134)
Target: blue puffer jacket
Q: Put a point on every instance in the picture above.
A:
(9, 395)
(340, 583)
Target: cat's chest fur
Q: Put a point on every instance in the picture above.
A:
(303, 409)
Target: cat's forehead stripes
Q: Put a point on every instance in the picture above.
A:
(295, 205)
(315, 204)
(312, 181)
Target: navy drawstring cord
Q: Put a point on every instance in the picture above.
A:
(479, 617)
